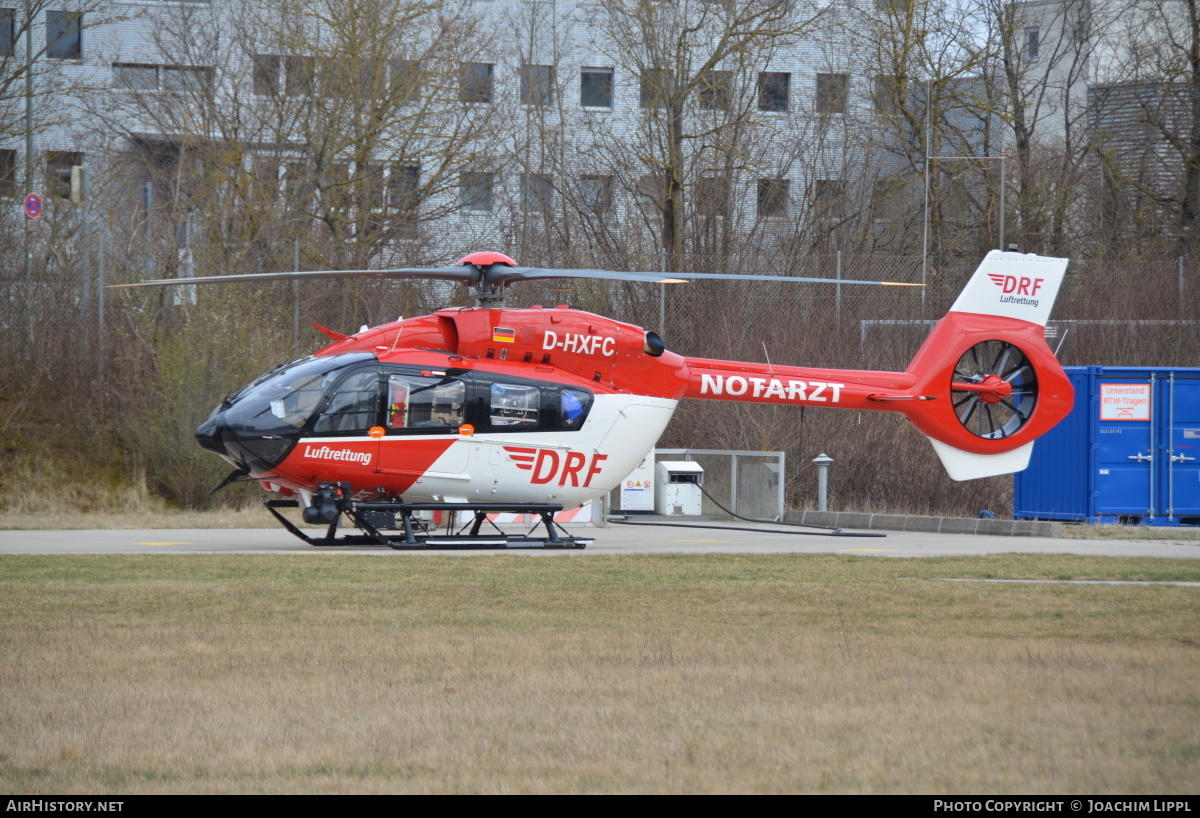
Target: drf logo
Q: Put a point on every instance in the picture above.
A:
(548, 464)
(1020, 285)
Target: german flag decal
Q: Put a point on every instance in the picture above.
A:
(504, 335)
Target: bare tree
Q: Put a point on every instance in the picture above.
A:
(1146, 108)
(695, 65)
(927, 61)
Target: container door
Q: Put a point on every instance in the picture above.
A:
(1125, 455)
(1182, 458)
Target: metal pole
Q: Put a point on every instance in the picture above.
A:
(28, 135)
(148, 203)
(779, 487)
(84, 239)
(822, 460)
(662, 294)
(1003, 246)
(100, 307)
(296, 298)
(837, 298)
(925, 234)
(29, 224)
(733, 484)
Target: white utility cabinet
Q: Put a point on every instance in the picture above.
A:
(677, 488)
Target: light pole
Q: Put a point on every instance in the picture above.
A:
(28, 135)
(29, 225)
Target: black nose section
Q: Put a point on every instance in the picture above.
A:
(209, 434)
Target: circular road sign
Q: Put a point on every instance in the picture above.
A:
(33, 206)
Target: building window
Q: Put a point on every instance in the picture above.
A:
(300, 75)
(370, 187)
(8, 172)
(300, 188)
(475, 191)
(403, 199)
(475, 82)
(406, 80)
(712, 196)
(537, 84)
(402, 187)
(266, 73)
(773, 91)
(655, 88)
(651, 190)
(1031, 44)
(595, 193)
(264, 171)
(64, 35)
(333, 187)
(829, 200)
(59, 166)
(596, 87)
(716, 90)
(134, 77)
(772, 198)
(537, 192)
(887, 90)
(8, 31)
(185, 78)
(832, 91)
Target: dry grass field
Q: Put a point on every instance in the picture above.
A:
(831, 674)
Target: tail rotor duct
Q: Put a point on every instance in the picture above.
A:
(994, 389)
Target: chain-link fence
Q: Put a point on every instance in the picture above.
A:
(153, 361)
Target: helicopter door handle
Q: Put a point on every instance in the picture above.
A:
(1141, 457)
(1181, 458)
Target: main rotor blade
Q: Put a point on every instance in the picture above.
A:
(499, 275)
(467, 273)
(506, 275)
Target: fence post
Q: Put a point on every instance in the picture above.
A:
(85, 242)
(296, 299)
(100, 304)
(837, 298)
(148, 203)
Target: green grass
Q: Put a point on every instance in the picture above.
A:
(652, 673)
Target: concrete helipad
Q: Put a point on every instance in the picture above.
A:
(616, 539)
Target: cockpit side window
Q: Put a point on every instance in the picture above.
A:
(353, 408)
(417, 402)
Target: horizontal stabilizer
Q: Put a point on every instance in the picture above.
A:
(962, 465)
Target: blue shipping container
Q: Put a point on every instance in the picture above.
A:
(1129, 452)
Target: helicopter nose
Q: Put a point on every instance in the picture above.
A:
(209, 434)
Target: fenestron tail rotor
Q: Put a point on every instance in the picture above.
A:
(994, 389)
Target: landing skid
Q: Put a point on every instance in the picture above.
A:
(374, 518)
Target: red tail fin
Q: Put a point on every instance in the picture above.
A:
(996, 385)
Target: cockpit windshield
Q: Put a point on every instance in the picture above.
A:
(267, 416)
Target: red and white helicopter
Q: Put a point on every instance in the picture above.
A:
(488, 409)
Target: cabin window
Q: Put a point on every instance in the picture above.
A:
(514, 405)
(573, 406)
(424, 402)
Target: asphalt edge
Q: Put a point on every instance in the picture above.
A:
(932, 525)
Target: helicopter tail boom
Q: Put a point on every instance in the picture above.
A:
(982, 387)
